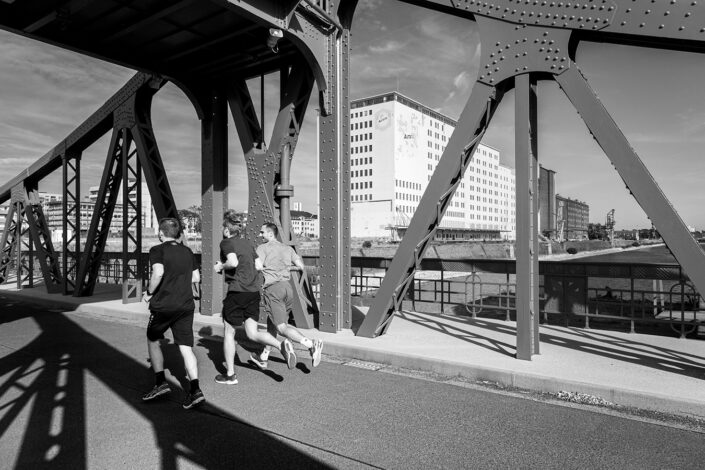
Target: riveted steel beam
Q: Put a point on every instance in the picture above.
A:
(87, 133)
(275, 13)
(334, 188)
(132, 265)
(527, 209)
(71, 211)
(150, 159)
(214, 193)
(667, 24)
(103, 215)
(635, 174)
(268, 170)
(18, 246)
(8, 242)
(473, 123)
(41, 241)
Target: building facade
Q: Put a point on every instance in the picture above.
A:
(150, 224)
(572, 218)
(395, 146)
(305, 226)
(4, 210)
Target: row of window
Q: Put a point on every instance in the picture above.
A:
(356, 173)
(436, 135)
(362, 185)
(361, 161)
(359, 137)
(367, 112)
(407, 184)
(361, 125)
(362, 148)
(407, 197)
(362, 197)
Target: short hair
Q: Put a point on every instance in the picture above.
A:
(170, 227)
(232, 222)
(272, 227)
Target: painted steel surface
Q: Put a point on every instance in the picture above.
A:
(210, 47)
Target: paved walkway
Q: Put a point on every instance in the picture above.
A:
(654, 372)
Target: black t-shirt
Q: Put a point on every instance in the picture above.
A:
(244, 278)
(174, 292)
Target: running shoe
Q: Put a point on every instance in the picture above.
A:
(226, 379)
(257, 360)
(193, 399)
(157, 391)
(287, 350)
(315, 351)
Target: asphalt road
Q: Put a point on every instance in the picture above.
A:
(70, 391)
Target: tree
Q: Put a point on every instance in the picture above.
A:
(597, 232)
(191, 218)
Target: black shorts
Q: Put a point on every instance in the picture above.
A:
(239, 306)
(181, 324)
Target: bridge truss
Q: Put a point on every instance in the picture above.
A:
(210, 48)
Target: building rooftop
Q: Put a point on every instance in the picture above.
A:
(411, 103)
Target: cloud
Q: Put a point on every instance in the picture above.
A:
(389, 46)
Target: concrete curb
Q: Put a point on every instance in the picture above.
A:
(618, 396)
(534, 382)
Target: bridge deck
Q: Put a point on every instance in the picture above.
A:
(649, 371)
(186, 39)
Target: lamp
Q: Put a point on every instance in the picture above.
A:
(275, 35)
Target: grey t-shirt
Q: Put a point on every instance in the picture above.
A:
(277, 258)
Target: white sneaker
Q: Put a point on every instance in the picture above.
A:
(287, 350)
(257, 360)
(315, 351)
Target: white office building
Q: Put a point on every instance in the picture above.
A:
(395, 145)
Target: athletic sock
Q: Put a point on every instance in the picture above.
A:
(159, 377)
(307, 343)
(194, 385)
(264, 355)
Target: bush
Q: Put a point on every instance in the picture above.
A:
(636, 244)
(572, 250)
(367, 244)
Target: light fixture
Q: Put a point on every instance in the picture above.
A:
(275, 35)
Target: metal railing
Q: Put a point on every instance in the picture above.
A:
(570, 291)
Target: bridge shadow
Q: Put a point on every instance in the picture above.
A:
(586, 341)
(45, 393)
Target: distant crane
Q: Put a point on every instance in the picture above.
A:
(609, 226)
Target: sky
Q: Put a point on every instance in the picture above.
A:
(655, 97)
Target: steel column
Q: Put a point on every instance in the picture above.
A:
(41, 240)
(636, 176)
(7, 244)
(100, 223)
(334, 189)
(150, 159)
(214, 195)
(132, 268)
(526, 164)
(472, 123)
(268, 170)
(71, 211)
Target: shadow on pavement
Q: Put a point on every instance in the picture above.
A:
(587, 341)
(215, 354)
(44, 391)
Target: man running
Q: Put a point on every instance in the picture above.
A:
(277, 259)
(171, 305)
(240, 265)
